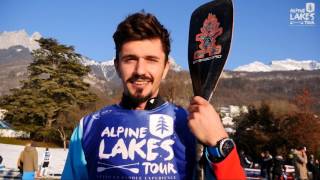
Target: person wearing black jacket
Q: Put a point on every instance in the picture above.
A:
(313, 167)
(267, 160)
(278, 167)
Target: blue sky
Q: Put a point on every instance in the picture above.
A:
(261, 28)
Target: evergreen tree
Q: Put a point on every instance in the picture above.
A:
(54, 86)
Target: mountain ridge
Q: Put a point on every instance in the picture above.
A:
(280, 65)
(21, 38)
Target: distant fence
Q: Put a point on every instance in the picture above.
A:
(9, 174)
(254, 173)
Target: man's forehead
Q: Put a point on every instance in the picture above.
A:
(147, 47)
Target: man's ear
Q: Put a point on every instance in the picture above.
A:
(116, 66)
(166, 70)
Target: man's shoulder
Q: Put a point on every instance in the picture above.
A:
(116, 108)
(175, 105)
(97, 114)
(179, 109)
(87, 121)
(112, 110)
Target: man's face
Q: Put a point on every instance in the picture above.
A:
(141, 66)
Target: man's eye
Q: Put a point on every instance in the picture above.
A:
(128, 59)
(153, 59)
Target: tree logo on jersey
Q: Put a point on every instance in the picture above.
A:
(161, 125)
(207, 38)
(132, 151)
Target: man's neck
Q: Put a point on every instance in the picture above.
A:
(128, 103)
(141, 106)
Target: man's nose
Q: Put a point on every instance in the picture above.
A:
(140, 66)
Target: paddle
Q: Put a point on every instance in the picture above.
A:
(210, 36)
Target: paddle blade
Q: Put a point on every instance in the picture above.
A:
(209, 43)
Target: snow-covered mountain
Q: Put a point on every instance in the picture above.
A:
(103, 70)
(21, 37)
(280, 65)
(174, 66)
(254, 67)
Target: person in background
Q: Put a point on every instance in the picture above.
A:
(45, 163)
(317, 170)
(28, 159)
(313, 168)
(263, 169)
(267, 160)
(1, 165)
(300, 163)
(278, 167)
(310, 166)
(245, 160)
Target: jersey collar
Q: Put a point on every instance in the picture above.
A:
(127, 102)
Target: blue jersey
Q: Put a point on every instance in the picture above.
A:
(117, 143)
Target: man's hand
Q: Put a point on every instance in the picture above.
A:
(205, 122)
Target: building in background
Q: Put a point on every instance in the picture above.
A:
(228, 113)
(7, 131)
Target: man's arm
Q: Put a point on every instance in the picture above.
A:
(19, 160)
(302, 159)
(206, 125)
(229, 168)
(75, 166)
(35, 160)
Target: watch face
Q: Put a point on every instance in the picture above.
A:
(227, 146)
(219, 152)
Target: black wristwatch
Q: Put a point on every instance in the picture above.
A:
(220, 151)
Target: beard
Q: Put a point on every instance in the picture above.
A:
(137, 96)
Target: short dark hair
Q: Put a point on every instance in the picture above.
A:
(140, 26)
(300, 147)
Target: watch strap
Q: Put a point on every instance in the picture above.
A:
(212, 154)
(215, 153)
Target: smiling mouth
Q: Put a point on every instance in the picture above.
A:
(140, 83)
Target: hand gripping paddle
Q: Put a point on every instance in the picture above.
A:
(210, 36)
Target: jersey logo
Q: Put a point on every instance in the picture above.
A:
(161, 125)
(207, 38)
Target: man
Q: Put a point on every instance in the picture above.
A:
(1, 165)
(144, 137)
(268, 159)
(45, 163)
(245, 160)
(300, 163)
(29, 160)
